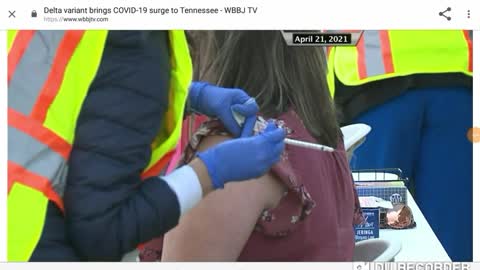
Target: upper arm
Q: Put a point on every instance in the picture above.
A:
(219, 226)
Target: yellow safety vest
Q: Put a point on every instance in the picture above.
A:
(49, 74)
(392, 53)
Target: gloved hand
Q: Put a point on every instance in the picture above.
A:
(219, 102)
(244, 158)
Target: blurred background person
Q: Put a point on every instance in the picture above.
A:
(414, 88)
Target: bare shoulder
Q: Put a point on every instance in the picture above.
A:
(213, 140)
(265, 190)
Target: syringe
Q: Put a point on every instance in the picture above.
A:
(240, 120)
(309, 145)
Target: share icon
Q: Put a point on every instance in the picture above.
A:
(442, 13)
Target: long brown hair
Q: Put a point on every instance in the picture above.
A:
(280, 77)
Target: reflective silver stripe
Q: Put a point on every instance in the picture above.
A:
(470, 34)
(373, 53)
(37, 158)
(32, 70)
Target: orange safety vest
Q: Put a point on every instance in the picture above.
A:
(383, 54)
(49, 74)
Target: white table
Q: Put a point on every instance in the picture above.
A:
(419, 243)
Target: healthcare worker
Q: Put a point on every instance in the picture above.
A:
(414, 88)
(93, 121)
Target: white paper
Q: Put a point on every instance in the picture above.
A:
(374, 202)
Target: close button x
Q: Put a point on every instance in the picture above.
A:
(12, 14)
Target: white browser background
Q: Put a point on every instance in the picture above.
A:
(259, 14)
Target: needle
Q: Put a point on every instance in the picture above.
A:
(309, 145)
(240, 119)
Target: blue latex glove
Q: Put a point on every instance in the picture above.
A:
(244, 158)
(220, 102)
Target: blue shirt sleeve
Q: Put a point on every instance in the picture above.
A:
(109, 210)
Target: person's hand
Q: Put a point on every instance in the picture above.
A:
(221, 102)
(244, 158)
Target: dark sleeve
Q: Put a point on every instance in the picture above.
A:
(187, 111)
(109, 210)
